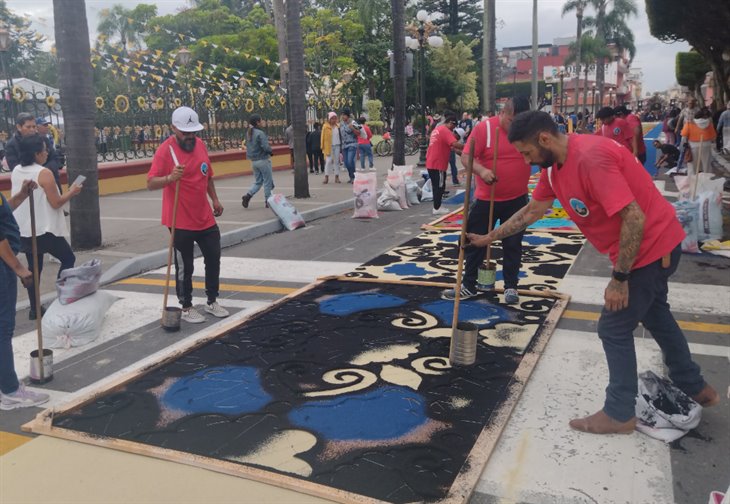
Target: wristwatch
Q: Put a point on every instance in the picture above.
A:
(620, 276)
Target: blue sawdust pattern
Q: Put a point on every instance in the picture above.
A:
(406, 269)
(477, 312)
(347, 304)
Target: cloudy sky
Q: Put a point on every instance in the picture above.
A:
(655, 58)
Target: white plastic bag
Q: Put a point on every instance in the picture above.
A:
(366, 195)
(405, 170)
(664, 412)
(709, 223)
(388, 199)
(412, 193)
(285, 211)
(427, 191)
(688, 215)
(75, 324)
(75, 283)
(396, 182)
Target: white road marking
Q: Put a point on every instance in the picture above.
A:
(683, 297)
(540, 459)
(157, 220)
(272, 270)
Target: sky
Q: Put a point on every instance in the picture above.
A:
(655, 58)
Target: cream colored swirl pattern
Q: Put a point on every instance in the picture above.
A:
(354, 379)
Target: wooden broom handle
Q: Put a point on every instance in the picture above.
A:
(493, 189)
(36, 285)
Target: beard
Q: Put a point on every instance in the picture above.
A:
(547, 159)
(187, 144)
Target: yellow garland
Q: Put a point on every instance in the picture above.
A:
(121, 104)
(18, 94)
(282, 99)
(99, 102)
(249, 105)
(50, 101)
(272, 102)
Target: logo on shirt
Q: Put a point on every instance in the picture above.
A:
(616, 131)
(204, 168)
(579, 207)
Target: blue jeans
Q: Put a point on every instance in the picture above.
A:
(8, 297)
(365, 150)
(349, 153)
(648, 305)
(263, 176)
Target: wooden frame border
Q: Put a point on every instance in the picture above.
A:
(463, 485)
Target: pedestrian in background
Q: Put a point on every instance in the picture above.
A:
(195, 219)
(364, 145)
(331, 144)
(289, 133)
(50, 224)
(54, 162)
(259, 152)
(25, 125)
(314, 150)
(350, 132)
(442, 142)
(614, 128)
(700, 134)
(638, 147)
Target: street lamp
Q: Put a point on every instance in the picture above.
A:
(183, 58)
(424, 35)
(594, 91)
(561, 74)
(4, 47)
(611, 101)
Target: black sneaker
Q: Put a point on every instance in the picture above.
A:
(466, 293)
(245, 199)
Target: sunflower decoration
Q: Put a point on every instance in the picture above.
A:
(50, 101)
(249, 105)
(282, 100)
(236, 102)
(158, 131)
(160, 103)
(349, 102)
(262, 100)
(272, 102)
(141, 102)
(223, 104)
(18, 94)
(121, 104)
(208, 103)
(178, 102)
(338, 103)
(99, 102)
(311, 100)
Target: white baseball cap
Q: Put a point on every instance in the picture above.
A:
(186, 119)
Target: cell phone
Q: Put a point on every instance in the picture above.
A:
(79, 180)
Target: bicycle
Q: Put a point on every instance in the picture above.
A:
(384, 147)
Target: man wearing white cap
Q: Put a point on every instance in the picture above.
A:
(195, 220)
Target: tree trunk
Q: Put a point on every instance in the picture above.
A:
(585, 85)
(77, 99)
(535, 56)
(489, 49)
(453, 17)
(297, 97)
(399, 82)
(280, 24)
(578, 61)
(600, 63)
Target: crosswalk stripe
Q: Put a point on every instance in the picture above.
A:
(261, 289)
(687, 325)
(10, 441)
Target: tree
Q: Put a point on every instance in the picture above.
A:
(458, 17)
(534, 94)
(489, 56)
(125, 27)
(399, 82)
(691, 69)
(280, 23)
(592, 50)
(579, 6)
(297, 97)
(704, 27)
(24, 42)
(454, 65)
(74, 54)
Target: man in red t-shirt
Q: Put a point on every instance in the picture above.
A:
(441, 142)
(638, 147)
(510, 194)
(620, 211)
(195, 220)
(614, 128)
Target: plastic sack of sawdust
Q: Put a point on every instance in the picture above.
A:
(366, 195)
(78, 323)
(427, 191)
(663, 411)
(688, 214)
(412, 191)
(388, 199)
(76, 283)
(397, 183)
(285, 211)
(405, 170)
(709, 224)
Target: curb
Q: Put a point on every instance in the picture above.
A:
(157, 259)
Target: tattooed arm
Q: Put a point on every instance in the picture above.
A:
(616, 295)
(528, 214)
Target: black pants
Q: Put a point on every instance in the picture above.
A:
(642, 157)
(209, 241)
(511, 246)
(316, 161)
(48, 243)
(438, 184)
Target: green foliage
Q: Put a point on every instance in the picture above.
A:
(690, 68)
(122, 27)
(373, 107)
(524, 88)
(24, 42)
(453, 76)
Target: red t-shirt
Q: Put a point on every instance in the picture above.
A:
(439, 148)
(368, 133)
(634, 122)
(618, 130)
(599, 178)
(194, 213)
(513, 173)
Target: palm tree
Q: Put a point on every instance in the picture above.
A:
(127, 24)
(534, 55)
(75, 78)
(579, 6)
(398, 8)
(591, 50)
(280, 24)
(297, 96)
(489, 56)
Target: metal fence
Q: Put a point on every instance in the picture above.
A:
(130, 127)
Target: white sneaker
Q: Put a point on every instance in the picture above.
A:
(192, 316)
(22, 398)
(440, 211)
(216, 310)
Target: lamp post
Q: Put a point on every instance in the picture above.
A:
(424, 34)
(594, 91)
(611, 95)
(561, 74)
(4, 47)
(183, 58)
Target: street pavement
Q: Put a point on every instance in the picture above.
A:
(538, 458)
